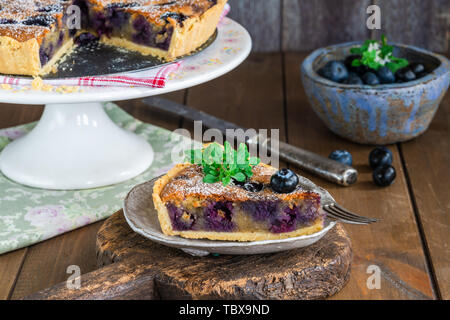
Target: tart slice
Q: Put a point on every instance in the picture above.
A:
(189, 207)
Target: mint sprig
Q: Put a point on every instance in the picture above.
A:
(223, 164)
(376, 54)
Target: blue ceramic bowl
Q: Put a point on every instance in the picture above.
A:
(380, 114)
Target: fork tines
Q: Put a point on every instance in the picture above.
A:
(337, 212)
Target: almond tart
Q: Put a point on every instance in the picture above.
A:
(190, 208)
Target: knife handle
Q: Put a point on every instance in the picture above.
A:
(326, 168)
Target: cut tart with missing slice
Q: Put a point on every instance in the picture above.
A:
(189, 206)
(35, 34)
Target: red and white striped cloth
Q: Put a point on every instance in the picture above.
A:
(153, 78)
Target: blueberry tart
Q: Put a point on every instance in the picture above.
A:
(35, 34)
(268, 205)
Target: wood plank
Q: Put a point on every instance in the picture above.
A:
(309, 25)
(10, 265)
(393, 244)
(421, 23)
(262, 19)
(250, 96)
(427, 161)
(47, 262)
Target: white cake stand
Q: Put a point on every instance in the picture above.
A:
(76, 145)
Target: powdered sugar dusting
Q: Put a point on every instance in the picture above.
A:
(189, 183)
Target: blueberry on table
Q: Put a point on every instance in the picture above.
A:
(417, 68)
(353, 78)
(380, 156)
(284, 181)
(406, 75)
(334, 71)
(385, 75)
(342, 156)
(371, 79)
(383, 176)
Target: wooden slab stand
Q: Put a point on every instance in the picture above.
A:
(132, 267)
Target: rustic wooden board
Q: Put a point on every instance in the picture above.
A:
(393, 244)
(313, 272)
(427, 161)
(309, 25)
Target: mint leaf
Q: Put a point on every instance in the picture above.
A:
(378, 56)
(210, 179)
(222, 164)
(240, 177)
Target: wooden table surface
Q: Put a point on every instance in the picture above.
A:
(410, 245)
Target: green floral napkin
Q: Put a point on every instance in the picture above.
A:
(29, 215)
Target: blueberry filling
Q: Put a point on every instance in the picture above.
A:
(181, 219)
(218, 216)
(7, 21)
(143, 33)
(179, 17)
(85, 38)
(46, 53)
(261, 210)
(222, 216)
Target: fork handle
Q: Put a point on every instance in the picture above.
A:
(326, 168)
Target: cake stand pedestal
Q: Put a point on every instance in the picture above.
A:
(76, 145)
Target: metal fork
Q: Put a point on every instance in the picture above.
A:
(336, 212)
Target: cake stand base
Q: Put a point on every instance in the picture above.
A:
(75, 146)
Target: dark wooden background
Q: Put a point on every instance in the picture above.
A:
(304, 25)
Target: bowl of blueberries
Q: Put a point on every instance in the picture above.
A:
(373, 92)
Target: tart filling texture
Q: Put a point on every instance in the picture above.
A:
(191, 208)
(34, 33)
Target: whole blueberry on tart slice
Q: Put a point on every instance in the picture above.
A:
(215, 199)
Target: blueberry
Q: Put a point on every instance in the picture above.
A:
(51, 8)
(41, 20)
(342, 156)
(284, 181)
(253, 186)
(334, 71)
(380, 156)
(383, 176)
(179, 17)
(371, 79)
(406, 75)
(353, 78)
(417, 68)
(385, 75)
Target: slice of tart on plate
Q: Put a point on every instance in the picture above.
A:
(234, 201)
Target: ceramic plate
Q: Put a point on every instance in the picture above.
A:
(142, 217)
